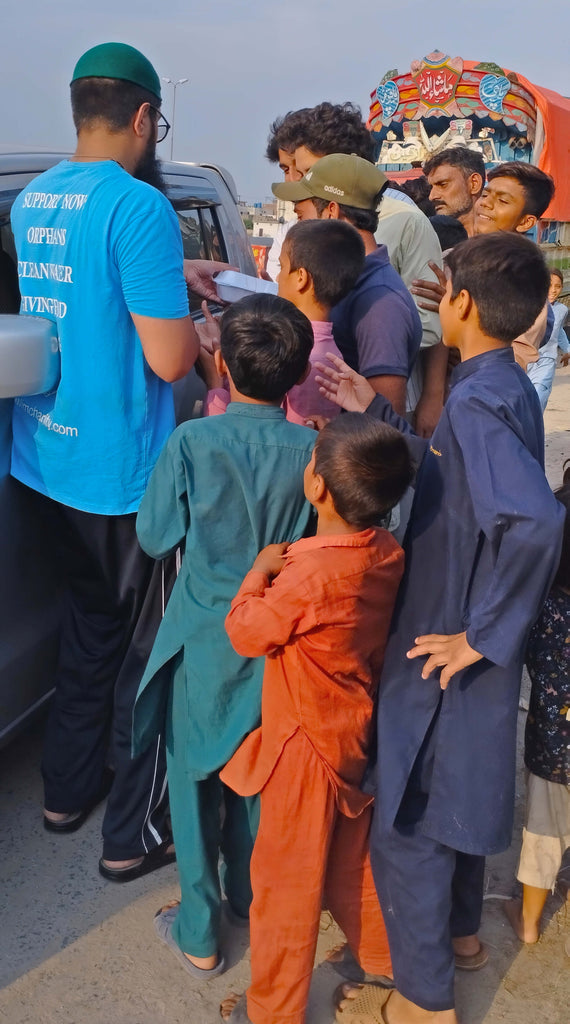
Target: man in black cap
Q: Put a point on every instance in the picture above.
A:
(100, 253)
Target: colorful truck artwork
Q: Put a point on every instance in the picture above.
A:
(446, 101)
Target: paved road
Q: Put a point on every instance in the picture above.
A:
(75, 949)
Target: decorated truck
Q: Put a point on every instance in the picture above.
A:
(446, 101)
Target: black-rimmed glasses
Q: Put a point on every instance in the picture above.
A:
(162, 125)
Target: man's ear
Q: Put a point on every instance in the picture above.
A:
(527, 222)
(304, 374)
(140, 118)
(220, 363)
(331, 212)
(475, 184)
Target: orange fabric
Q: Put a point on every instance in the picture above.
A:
(306, 855)
(555, 156)
(323, 625)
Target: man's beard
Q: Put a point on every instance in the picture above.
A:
(148, 168)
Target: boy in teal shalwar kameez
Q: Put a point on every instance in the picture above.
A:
(223, 487)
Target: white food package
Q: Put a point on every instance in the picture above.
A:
(231, 286)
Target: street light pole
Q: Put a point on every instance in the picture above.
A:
(174, 85)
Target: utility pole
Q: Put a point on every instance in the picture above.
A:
(174, 85)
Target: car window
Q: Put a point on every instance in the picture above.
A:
(9, 288)
(201, 239)
(212, 234)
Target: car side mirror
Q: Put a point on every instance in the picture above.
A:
(29, 355)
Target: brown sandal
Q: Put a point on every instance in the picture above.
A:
(366, 1008)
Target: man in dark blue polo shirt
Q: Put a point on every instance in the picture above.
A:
(376, 326)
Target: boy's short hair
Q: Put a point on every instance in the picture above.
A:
(507, 278)
(469, 161)
(538, 186)
(324, 129)
(266, 343)
(331, 251)
(555, 272)
(366, 466)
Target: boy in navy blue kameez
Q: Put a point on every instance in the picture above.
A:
(481, 550)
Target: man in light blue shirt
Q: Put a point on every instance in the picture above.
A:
(100, 253)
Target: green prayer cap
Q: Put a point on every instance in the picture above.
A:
(117, 60)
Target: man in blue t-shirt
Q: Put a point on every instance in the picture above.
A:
(376, 326)
(100, 253)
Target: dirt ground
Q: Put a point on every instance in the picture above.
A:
(77, 950)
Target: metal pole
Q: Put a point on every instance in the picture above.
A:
(173, 119)
(174, 84)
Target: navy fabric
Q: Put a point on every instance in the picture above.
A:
(377, 326)
(482, 547)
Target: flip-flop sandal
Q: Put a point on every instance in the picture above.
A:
(348, 967)
(366, 1008)
(473, 962)
(163, 921)
(156, 858)
(72, 822)
(239, 1012)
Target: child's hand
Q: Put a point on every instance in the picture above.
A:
(271, 559)
(343, 386)
(450, 653)
(432, 290)
(317, 422)
(209, 331)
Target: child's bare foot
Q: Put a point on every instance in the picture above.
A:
(526, 932)
(369, 1004)
(234, 1005)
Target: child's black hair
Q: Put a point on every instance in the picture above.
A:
(366, 466)
(562, 578)
(331, 251)
(537, 186)
(507, 278)
(266, 343)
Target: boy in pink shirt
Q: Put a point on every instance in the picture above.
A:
(320, 263)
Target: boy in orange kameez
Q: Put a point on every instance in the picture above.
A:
(322, 624)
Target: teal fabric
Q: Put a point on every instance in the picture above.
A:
(118, 60)
(207, 818)
(224, 486)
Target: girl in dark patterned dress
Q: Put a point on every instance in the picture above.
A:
(546, 832)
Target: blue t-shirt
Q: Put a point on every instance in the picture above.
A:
(95, 245)
(377, 326)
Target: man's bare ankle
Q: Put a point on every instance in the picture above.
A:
(466, 945)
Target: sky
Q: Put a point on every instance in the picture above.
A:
(249, 61)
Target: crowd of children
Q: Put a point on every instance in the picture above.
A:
(302, 644)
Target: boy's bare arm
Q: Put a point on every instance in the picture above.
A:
(450, 653)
